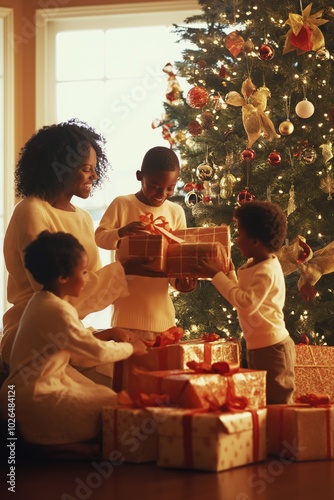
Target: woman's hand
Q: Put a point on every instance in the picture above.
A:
(135, 227)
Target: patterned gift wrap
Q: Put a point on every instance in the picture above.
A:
(301, 432)
(176, 357)
(182, 257)
(210, 441)
(132, 432)
(203, 390)
(145, 245)
(210, 234)
(314, 370)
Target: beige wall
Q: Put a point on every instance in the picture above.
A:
(24, 13)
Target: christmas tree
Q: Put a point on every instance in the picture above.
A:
(257, 122)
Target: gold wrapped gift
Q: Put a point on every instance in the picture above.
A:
(145, 245)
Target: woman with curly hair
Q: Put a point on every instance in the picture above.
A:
(58, 162)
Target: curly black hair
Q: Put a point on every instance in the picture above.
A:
(264, 221)
(50, 157)
(52, 255)
(160, 159)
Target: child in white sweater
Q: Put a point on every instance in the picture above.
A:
(148, 309)
(55, 404)
(258, 294)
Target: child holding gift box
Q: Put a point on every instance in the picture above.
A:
(55, 404)
(148, 310)
(258, 294)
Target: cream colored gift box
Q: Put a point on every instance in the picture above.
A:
(175, 357)
(210, 441)
(301, 432)
(132, 432)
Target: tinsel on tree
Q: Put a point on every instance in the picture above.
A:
(257, 123)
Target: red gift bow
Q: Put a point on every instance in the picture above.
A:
(171, 336)
(159, 225)
(314, 400)
(210, 337)
(221, 367)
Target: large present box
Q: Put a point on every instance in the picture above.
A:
(182, 258)
(300, 432)
(204, 390)
(213, 243)
(132, 432)
(175, 357)
(314, 370)
(210, 441)
(145, 245)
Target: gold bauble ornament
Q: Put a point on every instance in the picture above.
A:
(286, 127)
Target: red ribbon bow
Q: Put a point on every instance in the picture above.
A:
(171, 336)
(153, 225)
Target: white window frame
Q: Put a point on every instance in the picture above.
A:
(48, 22)
(8, 195)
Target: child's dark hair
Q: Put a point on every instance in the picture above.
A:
(51, 156)
(160, 159)
(264, 221)
(52, 255)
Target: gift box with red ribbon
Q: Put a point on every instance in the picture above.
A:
(213, 243)
(175, 357)
(129, 431)
(222, 390)
(303, 431)
(314, 370)
(145, 245)
(211, 441)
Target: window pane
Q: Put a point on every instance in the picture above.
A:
(80, 55)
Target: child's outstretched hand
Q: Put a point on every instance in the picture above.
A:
(135, 227)
(117, 334)
(205, 268)
(139, 348)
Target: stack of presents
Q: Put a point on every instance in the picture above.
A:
(190, 405)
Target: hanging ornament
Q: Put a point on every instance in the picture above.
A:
(192, 198)
(248, 46)
(286, 127)
(292, 200)
(226, 185)
(266, 52)
(322, 54)
(234, 43)
(222, 72)
(173, 90)
(304, 109)
(253, 103)
(197, 97)
(205, 172)
(217, 102)
(327, 185)
(304, 34)
(195, 128)
(274, 158)
(207, 195)
(308, 155)
(245, 195)
(248, 155)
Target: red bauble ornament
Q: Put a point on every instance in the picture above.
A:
(307, 292)
(274, 158)
(195, 128)
(245, 195)
(304, 339)
(197, 97)
(248, 155)
(266, 53)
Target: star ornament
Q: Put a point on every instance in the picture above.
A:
(304, 33)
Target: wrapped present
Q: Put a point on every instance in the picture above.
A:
(212, 242)
(183, 257)
(175, 357)
(129, 431)
(204, 390)
(210, 441)
(301, 432)
(314, 370)
(145, 245)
